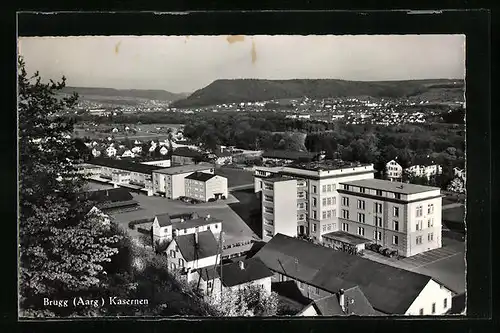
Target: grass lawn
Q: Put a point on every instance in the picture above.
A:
(235, 177)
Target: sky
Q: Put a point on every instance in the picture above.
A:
(187, 63)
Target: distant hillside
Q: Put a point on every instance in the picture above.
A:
(249, 90)
(162, 95)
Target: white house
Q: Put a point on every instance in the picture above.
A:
(394, 171)
(425, 170)
(110, 151)
(137, 142)
(96, 153)
(137, 149)
(164, 150)
(115, 130)
(204, 186)
(193, 251)
(152, 148)
(128, 153)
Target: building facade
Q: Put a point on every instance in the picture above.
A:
(205, 186)
(401, 217)
(170, 182)
(393, 171)
(426, 171)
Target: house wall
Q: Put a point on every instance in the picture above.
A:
(433, 292)
(435, 229)
(308, 311)
(182, 160)
(195, 189)
(305, 289)
(214, 227)
(160, 163)
(217, 184)
(200, 263)
(161, 233)
(279, 212)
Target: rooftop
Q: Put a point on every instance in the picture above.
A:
(253, 269)
(184, 169)
(206, 247)
(396, 187)
(200, 176)
(327, 165)
(186, 152)
(276, 179)
(123, 165)
(189, 220)
(389, 289)
(346, 237)
(289, 155)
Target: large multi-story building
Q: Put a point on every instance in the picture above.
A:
(170, 182)
(309, 206)
(401, 217)
(341, 203)
(205, 186)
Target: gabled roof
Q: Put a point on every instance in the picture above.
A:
(186, 152)
(206, 247)
(390, 290)
(200, 176)
(164, 220)
(254, 269)
(356, 303)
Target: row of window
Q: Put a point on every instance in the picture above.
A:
(328, 188)
(328, 214)
(328, 227)
(433, 308)
(329, 201)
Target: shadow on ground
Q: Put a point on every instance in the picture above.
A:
(248, 209)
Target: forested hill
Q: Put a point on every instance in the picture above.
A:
(249, 90)
(162, 95)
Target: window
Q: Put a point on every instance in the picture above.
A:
(418, 225)
(181, 262)
(209, 285)
(324, 201)
(361, 231)
(268, 198)
(395, 240)
(345, 201)
(378, 207)
(314, 189)
(396, 212)
(300, 205)
(378, 221)
(172, 266)
(379, 192)
(419, 211)
(430, 237)
(345, 227)
(361, 190)
(315, 202)
(430, 208)
(324, 228)
(433, 308)
(329, 214)
(329, 227)
(346, 187)
(172, 253)
(324, 188)
(269, 210)
(421, 312)
(361, 217)
(334, 213)
(345, 214)
(397, 195)
(316, 291)
(395, 225)
(324, 215)
(314, 214)
(377, 235)
(430, 222)
(445, 303)
(418, 240)
(361, 204)
(301, 284)
(329, 188)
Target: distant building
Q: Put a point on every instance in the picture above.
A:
(169, 182)
(204, 186)
(128, 154)
(164, 150)
(283, 156)
(426, 171)
(394, 171)
(111, 200)
(184, 155)
(96, 153)
(460, 173)
(111, 151)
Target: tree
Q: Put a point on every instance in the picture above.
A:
(62, 246)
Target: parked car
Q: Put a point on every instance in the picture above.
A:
(376, 247)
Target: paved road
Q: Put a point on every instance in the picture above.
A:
(446, 264)
(232, 225)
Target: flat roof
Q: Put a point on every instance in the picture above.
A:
(396, 187)
(184, 168)
(327, 165)
(276, 179)
(346, 237)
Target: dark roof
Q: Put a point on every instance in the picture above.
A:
(328, 306)
(193, 223)
(290, 290)
(390, 290)
(386, 185)
(254, 269)
(346, 237)
(185, 168)
(186, 152)
(356, 303)
(107, 196)
(200, 176)
(164, 220)
(208, 273)
(289, 155)
(206, 247)
(124, 165)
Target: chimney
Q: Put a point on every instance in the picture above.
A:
(342, 299)
(196, 238)
(241, 264)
